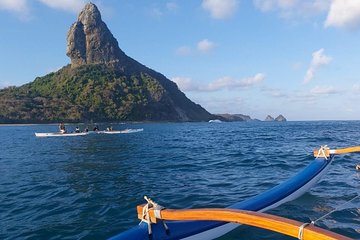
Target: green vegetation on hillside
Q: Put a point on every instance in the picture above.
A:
(85, 93)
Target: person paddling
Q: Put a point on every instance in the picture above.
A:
(62, 128)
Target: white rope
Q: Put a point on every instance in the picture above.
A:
(145, 213)
(301, 229)
(337, 208)
(321, 152)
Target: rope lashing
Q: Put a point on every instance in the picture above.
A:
(322, 152)
(325, 152)
(301, 229)
(157, 211)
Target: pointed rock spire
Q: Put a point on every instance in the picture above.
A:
(89, 40)
(90, 15)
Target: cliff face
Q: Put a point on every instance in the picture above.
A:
(90, 41)
(101, 84)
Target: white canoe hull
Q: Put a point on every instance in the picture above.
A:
(60, 134)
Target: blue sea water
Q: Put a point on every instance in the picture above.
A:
(88, 187)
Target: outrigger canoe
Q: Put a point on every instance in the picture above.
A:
(205, 230)
(58, 134)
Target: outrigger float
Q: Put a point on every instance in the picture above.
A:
(205, 224)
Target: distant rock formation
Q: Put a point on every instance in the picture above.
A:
(241, 118)
(234, 117)
(89, 40)
(280, 118)
(269, 118)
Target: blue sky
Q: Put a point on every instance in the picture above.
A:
(299, 58)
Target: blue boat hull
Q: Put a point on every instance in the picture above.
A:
(205, 230)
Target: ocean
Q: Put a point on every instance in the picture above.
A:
(88, 187)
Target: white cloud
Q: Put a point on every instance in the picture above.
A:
(205, 45)
(293, 8)
(220, 9)
(268, 5)
(156, 12)
(172, 6)
(318, 59)
(19, 6)
(344, 14)
(66, 5)
(224, 104)
(275, 92)
(186, 84)
(356, 88)
(322, 90)
(230, 83)
(184, 51)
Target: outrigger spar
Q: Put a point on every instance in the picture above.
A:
(205, 224)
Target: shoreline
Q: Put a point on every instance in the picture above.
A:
(140, 122)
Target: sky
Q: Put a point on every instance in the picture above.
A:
(298, 58)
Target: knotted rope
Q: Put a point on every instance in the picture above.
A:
(157, 211)
(322, 151)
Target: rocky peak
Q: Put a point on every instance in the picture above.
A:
(269, 118)
(90, 15)
(89, 40)
(280, 118)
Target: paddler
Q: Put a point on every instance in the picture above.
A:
(62, 128)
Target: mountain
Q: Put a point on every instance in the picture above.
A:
(269, 118)
(280, 118)
(102, 83)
